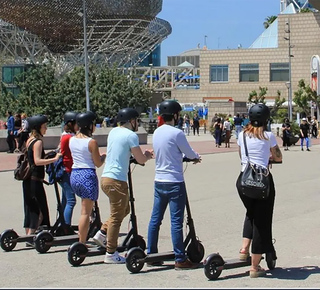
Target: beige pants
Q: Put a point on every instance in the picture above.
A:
(118, 194)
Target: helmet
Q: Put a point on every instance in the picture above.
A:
(69, 117)
(85, 120)
(126, 114)
(169, 107)
(259, 114)
(35, 122)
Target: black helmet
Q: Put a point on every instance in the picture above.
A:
(126, 114)
(70, 117)
(169, 107)
(259, 114)
(85, 120)
(35, 122)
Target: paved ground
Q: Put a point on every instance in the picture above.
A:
(218, 215)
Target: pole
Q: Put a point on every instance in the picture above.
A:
(86, 55)
(290, 86)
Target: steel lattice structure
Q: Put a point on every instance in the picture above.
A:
(117, 31)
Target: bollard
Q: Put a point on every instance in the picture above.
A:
(278, 130)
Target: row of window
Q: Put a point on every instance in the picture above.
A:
(279, 72)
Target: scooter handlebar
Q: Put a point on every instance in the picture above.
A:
(186, 159)
(133, 160)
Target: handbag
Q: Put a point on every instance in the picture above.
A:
(255, 182)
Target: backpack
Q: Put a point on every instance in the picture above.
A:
(54, 170)
(24, 169)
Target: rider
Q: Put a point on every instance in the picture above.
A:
(170, 146)
(122, 142)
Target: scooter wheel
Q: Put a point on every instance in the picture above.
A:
(135, 260)
(43, 241)
(195, 251)
(77, 253)
(271, 260)
(213, 266)
(137, 242)
(8, 240)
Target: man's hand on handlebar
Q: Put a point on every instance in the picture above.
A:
(148, 153)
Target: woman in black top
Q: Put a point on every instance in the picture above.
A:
(286, 134)
(35, 200)
(304, 133)
(195, 124)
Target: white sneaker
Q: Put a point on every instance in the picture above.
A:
(100, 239)
(114, 258)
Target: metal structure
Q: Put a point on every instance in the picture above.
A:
(298, 4)
(122, 32)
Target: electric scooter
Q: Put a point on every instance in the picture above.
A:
(136, 257)
(77, 252)
(214, 263)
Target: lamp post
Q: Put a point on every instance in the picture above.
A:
(86, 61)
(289, 83)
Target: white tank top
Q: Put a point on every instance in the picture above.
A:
(81, 155)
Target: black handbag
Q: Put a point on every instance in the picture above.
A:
(255, 182)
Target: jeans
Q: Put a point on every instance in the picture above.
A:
(173, 194)
(307, 142)
(238, 130)
(68, 197)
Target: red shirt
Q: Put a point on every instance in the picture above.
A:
(65, 151)
(160, 121)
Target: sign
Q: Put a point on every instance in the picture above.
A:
(314, 73)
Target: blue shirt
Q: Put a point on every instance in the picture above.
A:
(119, 144)
(170, 145)
(10, 123)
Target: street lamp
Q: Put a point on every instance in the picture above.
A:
(288, 85)
(83, 14)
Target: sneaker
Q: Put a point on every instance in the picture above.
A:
(114, 258)
(155, 264)
(301, 149)
(100, 239)
(185, 265)
(308, 149)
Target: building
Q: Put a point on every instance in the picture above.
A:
(231, 74)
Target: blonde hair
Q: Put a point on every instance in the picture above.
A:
(23, 115)
(35, 134)
(256, 132)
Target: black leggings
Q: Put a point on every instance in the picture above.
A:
(258, 221)
(35, 202)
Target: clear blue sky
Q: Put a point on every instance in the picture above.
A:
(227, 23)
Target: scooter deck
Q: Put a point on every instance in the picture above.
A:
(157, 257)
(236, 263)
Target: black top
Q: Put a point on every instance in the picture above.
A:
(305, 129)
(238, 121)
(38, 171)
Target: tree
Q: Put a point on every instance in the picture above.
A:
(269, 20)
(278, 102)
(255, 98)
(303, 96)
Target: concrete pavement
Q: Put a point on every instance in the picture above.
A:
(218, 216)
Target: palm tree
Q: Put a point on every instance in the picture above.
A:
(269, 20)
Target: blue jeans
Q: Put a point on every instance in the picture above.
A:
(238, 130)
(68, 198)
(307, 142)
(173, 194)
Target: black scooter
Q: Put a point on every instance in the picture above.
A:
(214, 263)
(136, 257)
(78, 251)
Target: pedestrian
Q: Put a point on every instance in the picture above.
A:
(196, 124)
(36, 212)
(83, 179)
(218, 131)
(304, 133)
(16, 132)
(286, 133)
(24, 132)
(187, 124)
(170, 145)
(180, 122)
(68, 196)
(314, 127)
(10, 132)
(245, 120)
(227, 129)
(122, 142)
(238, 124)
(257, 228)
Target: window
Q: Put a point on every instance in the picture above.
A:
(249, 72)
(279, 72)
(219, 73)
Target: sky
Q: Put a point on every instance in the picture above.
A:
(226, 23)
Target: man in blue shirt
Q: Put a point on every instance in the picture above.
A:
(10, 127)
(170, 145)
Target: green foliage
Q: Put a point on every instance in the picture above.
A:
(303, 96)
(305, 10)
(269, 20)
(255, 98)
(295, 128)
(43, 93)
(278, 102)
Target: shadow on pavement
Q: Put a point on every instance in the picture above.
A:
(294, 273)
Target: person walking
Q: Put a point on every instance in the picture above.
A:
(23, 132)
(257, 228)
(83, 179)
(195, 124)
(314, 127)
(122, 142)
(36, 212)
(187, 124)
(68, 196)
(238, 124)
(218, 131)
(170, 146)
(286, 132)
(304, 133)
(10, 132)
(227, 128)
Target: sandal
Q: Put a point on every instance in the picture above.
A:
(243, 256)
(260, 272)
